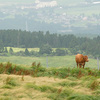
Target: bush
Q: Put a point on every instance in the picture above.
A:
(45, 49)
(27, 53)
(60, 52)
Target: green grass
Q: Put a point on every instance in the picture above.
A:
(10, 81)
(55, 87)
(53, 61)
(23, 49)
(82, 97)
(15, 49)
(68, 84)
(43, 88)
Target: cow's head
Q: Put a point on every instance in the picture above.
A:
(86, 58)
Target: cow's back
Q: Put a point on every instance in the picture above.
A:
(79, 58)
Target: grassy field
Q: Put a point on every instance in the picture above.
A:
(50, 61)
(15, 49)
(40, 83)
(23, 49)
(17, 87)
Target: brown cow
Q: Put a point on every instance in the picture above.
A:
(80, 60)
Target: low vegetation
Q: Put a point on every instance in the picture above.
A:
(47, 61)
(48, 83)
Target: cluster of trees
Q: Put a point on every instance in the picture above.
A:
(43, 51)
(47, 41)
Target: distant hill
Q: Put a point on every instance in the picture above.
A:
(61, 16)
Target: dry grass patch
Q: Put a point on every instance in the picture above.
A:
(82, 90)
(20, 92)
(44, 88)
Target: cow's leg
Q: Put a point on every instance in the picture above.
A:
(80, 65)
(77, 65)
(83, 65)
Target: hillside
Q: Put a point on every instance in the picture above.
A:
(44, 88)
(50, 84)
(81, 16)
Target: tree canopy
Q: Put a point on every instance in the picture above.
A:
(46, 41)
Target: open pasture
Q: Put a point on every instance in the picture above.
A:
(50, 61)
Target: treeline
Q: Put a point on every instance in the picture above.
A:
(24, 39)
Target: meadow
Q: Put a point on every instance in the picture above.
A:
(46, 61)
(39, 83)
(47, 78)
(15, 49)
(50, 61)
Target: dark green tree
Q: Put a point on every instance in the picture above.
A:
(1, 46)
(5, 50)
(45, 49)
(27, 52)
(60, 52)
(11, 51)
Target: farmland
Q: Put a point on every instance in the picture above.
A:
(46, 61)
(55, 61)
(48, 78)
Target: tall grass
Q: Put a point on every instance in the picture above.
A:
(42, 88)
(62, 95)
(37, 70)
(78, 73)
(10, 81)
(82, 97)
(68, 83)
